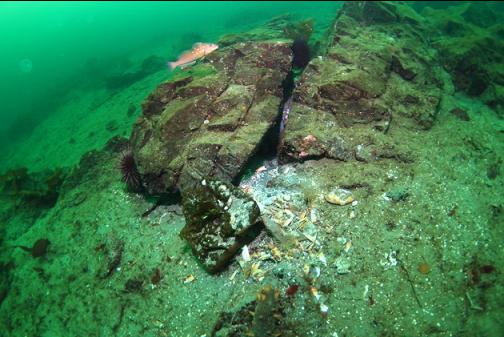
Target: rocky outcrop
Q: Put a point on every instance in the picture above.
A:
(210, 120)
(197, 133)
(469, 38)
(36, 190)
(278, 28)
(378, 71)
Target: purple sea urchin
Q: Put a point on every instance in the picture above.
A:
(129, 171)
(301, 53)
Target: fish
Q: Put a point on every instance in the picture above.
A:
(188, 58)
(285, 113)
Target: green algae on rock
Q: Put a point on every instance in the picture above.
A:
(470, 42)
(211, 125)
(378, 71)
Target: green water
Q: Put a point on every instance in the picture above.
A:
(369, 136)
(71, 45)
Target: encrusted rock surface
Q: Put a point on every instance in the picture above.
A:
(210, 120)
(379, 72)
(470, 42)
(220, 219)
(205, 125)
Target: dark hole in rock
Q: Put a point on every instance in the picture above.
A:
(165, 199)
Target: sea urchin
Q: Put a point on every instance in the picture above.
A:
(301, 53)
(129, 171)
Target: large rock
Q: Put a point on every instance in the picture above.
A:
(469, 38)
(210, 119)
(220, 219)
(378, 69)
(278, 28)
(204, 125)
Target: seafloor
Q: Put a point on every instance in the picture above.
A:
(381, 203)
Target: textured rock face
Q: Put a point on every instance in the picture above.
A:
(278, 28)
(210, 120)
(205, 125)
(220, 219)
(469, 40)
(378, 70)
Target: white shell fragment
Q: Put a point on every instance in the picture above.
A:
(189, 279)
(324, 309)
(342, 265)
(390, 260)
(245, 254)
(339, 197)
(366, 290)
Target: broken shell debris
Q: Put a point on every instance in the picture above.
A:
(339, 197)
(189, 279)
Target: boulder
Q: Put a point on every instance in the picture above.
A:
(220, 219)
(378, 68)
(209, 120)
(469, 39)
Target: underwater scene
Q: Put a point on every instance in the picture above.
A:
(255, 169)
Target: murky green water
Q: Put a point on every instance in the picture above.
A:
(52, 48)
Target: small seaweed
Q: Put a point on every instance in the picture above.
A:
(156, 276)
(133, 285)
(38, 249)
(114, 257)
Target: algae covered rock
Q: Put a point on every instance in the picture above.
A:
(280, 27)
(220, 219)
(379, 12)
(469, 40)
(198, 131)
(33, 189)
(210, 119)
(378, 69)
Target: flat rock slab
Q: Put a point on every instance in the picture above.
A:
(220, 219)
(209, 120)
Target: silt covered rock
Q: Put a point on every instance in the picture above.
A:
(208, 121)
(378, 69)
(469, 40)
